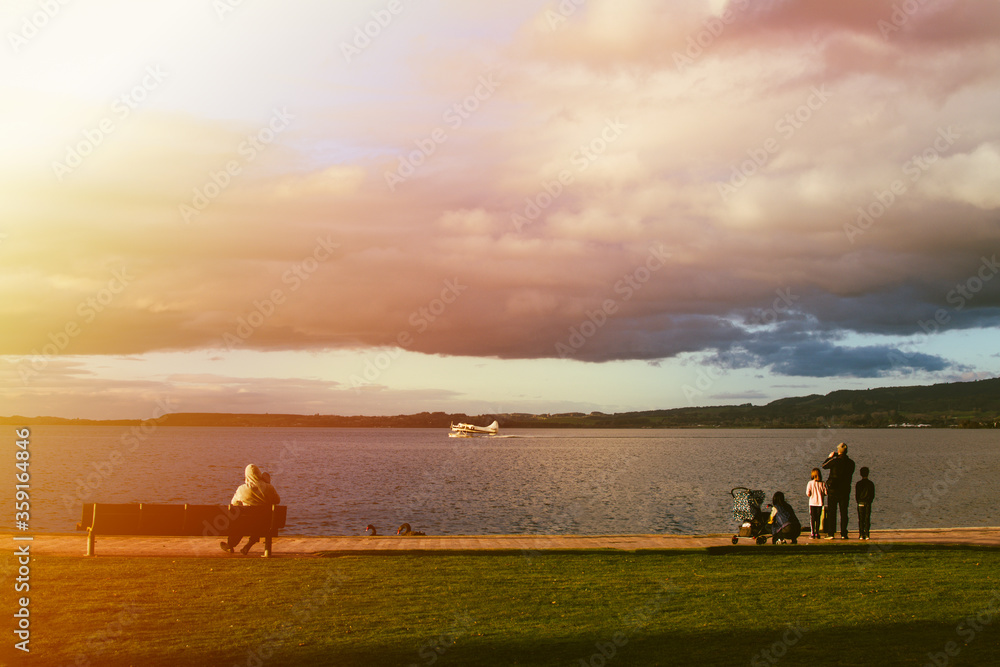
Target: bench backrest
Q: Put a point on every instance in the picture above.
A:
(159, 519)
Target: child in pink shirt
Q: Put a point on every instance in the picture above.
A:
(816, 490)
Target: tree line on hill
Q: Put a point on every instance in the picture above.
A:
(957, 404)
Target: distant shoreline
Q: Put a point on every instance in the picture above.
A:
(56, 421)
(973, 404)
(253, 421)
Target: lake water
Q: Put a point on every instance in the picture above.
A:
(336, 481)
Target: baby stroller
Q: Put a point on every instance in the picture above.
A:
(746, 510)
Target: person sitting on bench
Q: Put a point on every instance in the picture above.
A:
(254, 491)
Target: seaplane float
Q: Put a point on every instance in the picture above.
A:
(472, 431)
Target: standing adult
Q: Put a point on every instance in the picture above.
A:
(254, 491)
(838, 490)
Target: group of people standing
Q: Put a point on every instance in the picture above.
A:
(827, 500)
(833, 497)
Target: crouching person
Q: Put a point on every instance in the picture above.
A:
(785, 525)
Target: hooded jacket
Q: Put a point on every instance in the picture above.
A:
(255, 491)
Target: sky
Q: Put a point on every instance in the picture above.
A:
(392, 207)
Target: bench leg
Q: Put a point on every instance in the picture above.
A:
(90, 543)
(267, 547)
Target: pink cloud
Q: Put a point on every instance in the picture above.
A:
(597, 138)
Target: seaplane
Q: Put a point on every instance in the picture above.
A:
(473, 431)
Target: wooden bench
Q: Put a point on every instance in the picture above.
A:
(182, 520)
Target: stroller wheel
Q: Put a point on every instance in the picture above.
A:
(736, 539)
(761, 539)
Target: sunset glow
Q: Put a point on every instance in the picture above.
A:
(389, 207)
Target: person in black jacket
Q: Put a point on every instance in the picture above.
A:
(864, 494)
(838, 487)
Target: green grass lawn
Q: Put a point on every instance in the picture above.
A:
(753, 606)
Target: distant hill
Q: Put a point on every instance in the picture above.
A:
(957, 404)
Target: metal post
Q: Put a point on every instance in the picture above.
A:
(90, 531)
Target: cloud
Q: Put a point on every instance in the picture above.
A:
(58, 388)
(819, 358)
(728, 396)
(528, 225)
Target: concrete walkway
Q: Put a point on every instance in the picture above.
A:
(75, 544)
